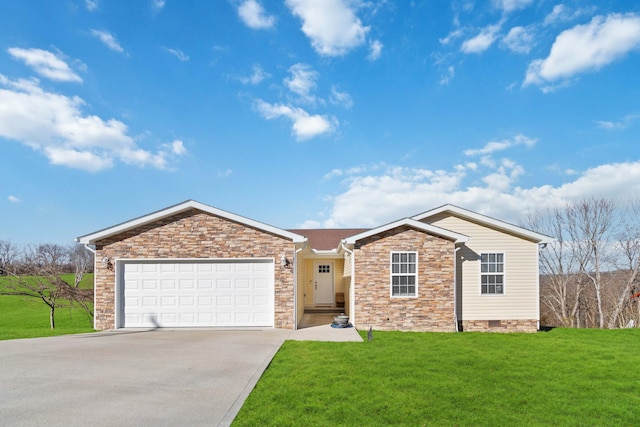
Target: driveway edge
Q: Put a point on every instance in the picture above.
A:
(249, 386)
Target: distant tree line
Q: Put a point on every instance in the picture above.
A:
(590, 274)
(35, 271)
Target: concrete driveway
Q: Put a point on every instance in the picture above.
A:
(142, 378)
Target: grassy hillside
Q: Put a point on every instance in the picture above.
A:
(22, 317)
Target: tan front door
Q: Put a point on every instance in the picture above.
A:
(323, 282)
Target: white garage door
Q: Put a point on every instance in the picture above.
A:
(182, 294)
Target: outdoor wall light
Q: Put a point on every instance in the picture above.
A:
(106, 263)
(285, 262)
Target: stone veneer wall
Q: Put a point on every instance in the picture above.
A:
(432, 310)
(193, 234)
(527, 325)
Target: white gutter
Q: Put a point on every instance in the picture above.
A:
(295, 285)
(352, 292)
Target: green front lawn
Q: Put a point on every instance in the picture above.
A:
(562, 377)
(22, 317)
(29, 318)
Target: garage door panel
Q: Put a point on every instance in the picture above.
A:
(205, 284)
(183, 293)
(168, 268)
(224, 301)
(149, 268)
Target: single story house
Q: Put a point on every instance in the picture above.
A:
(190, 265)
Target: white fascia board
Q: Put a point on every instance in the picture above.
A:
(181, 207)
(456, 237)
(483, 219)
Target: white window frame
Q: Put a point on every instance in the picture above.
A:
(502, 273)
(413, 274)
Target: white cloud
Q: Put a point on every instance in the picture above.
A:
(340, 98)
(453, 35)
(494, 146)
(483, 40)
(562, 13)
(375, 50)
(519, 40)
(586, 47)
(511, 5)
(91, 5)
(256, 77)
(177, 53)
(225, 173)
(254, 16)
(157, 5)
(331, 25)
(558, 14)
(302, 81)
(372, 199)
(177, 147)
(56, 126)
(305, 125)
(13, 199)
(623, 123)
(46, 64)
(448, 76)
(108, 39)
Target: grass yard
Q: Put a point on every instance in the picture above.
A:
(22, 317)
(562, 377)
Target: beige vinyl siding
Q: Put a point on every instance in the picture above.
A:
(338, 280)
(347, 266)
(520, 299)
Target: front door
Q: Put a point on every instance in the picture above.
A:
(323, 283)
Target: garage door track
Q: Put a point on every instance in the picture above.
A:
(160, 377)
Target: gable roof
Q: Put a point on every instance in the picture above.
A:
(486, 220)
(432, 229)
(90, 239)
(324, 239)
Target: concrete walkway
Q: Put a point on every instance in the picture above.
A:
(317, 327)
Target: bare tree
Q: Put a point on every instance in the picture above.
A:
(558, 266)
(628, 260)
(82, 261)
(8, 255)
(39, 276)
(590, 225)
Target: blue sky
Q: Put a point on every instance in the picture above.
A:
(312, 113)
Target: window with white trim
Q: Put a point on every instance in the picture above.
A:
(404, 274)
(492, 273)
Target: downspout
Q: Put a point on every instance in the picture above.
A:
(455, 286)
(352, 299)
(541, 246)
(295, 285)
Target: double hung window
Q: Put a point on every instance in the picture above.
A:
(492, 273)
(404, 274)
